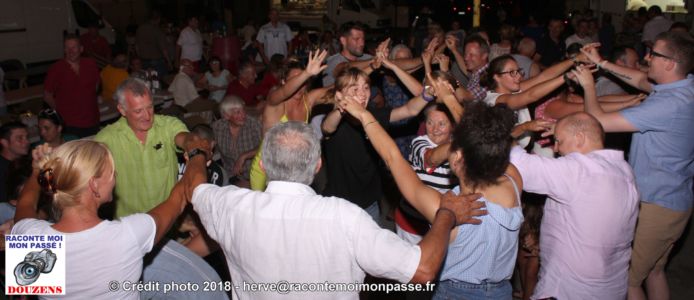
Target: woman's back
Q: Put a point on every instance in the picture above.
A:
(111, 250)
(487, 252)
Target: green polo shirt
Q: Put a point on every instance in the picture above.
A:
(145, 174)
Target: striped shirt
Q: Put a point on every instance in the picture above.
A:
(437, 177)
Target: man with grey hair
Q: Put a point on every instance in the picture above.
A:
(238, 136)
(144, 150)
(290, 234)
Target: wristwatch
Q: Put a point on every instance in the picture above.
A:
(197, 151)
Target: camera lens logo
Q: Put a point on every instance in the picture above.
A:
(35, 263)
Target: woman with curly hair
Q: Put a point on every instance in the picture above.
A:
(481, 257)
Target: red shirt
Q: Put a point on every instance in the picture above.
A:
(249, 95)
(228, 49)
(269, 81)
(75, 95)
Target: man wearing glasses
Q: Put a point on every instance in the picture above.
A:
(662, 153)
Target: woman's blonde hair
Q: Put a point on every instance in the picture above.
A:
(65, 173)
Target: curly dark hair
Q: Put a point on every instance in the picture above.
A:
(484, 137)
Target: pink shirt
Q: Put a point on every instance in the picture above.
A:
(588, 222)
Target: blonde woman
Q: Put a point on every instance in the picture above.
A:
(80, 176)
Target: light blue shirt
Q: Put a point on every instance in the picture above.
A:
(485, 252)
(662, 151)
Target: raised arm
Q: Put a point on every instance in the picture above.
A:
(633, 77)
(412, 84)
(27, 204)
(444, 94)
(561, 108)
(549, 73)
(522, 99)
(410, 109)
(452, 45)
(314, 67)
(611, 122)
(165, 214)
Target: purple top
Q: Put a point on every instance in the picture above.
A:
(588, 223)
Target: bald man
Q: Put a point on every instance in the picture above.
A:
(590, 214)
(526, 53)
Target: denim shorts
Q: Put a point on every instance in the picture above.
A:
(448, 289)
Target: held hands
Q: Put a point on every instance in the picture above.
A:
(442, 88)
(193, 141)
(538, 125)
(444, 61)
(381, 56)
(452, 43)
(590, 52)
(350, 105)
(315, 62)
(583, 75)
(465, 207)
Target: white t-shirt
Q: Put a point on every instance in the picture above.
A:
(289, 233)
(576, 39)
(523, 115)
(183, 89)
(218, 81)
(111, 250)
(191, 44)
(275, 39)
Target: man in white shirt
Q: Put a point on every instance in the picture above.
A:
(274, 36)
(189, 44)
(182, 87)
(289, 234)
(657, 24)
(581, 36)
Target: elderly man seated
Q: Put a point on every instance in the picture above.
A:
(589, 217)
(289, 233)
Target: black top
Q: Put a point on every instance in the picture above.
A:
(4, 168)
(550, 51)
(352, 162)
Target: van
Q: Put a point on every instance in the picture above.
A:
(32, 31)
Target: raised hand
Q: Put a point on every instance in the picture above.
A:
(465, 207)
(583, 75)
(315, 62)
(538, 125)
(431, 47)
(590, 51)
(39, 153)
(444, 61)
(350, 105)
(452, 43)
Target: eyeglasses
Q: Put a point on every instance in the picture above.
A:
(513, 73)
(653, 53)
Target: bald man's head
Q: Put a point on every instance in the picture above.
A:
(527, 47)
(578, 132)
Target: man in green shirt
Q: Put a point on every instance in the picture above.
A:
(144, 150)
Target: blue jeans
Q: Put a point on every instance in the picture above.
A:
(448, 289)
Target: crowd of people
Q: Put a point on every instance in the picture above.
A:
(285, 179)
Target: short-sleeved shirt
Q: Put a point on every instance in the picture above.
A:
(111, 250)
(249, 138)
(111, 77)
(662, 151)
(352, 163)
(145, 174)
(473, 85)
(248, 94)
(191, 44)
(75, 94)
(335, 60)
(275, 38)
(183, 89)
(289, 233)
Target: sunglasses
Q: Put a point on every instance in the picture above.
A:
(653, 53)
(513, 73)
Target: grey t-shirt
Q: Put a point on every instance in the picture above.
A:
(335, 60)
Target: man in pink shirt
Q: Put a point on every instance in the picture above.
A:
(590, 214)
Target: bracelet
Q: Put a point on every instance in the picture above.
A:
(367, 124)
(450, 211)
(426, 98)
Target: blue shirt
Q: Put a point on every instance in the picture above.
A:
(485, 252)
(662, 151)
